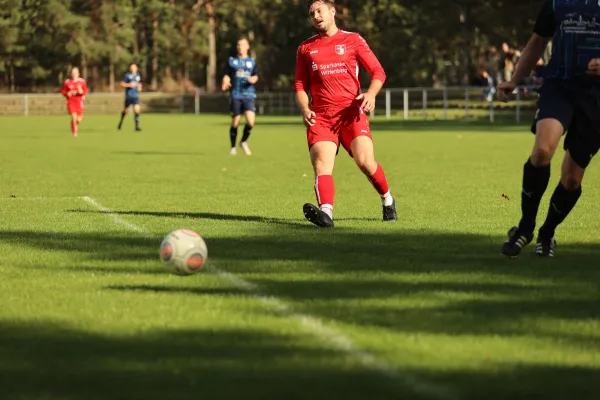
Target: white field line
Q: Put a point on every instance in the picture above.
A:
(311, 324)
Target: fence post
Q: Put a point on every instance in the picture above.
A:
(388, 104)
(405, 104)
(197, 101)
(182, 103)
(492, 109)
(26, 108)
(424, 104)
(445, 95)
(518, 106)
(467, 104)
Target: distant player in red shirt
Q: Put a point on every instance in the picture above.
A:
(327, 66)
(74, 90)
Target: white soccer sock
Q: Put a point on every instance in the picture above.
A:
(327, 209)
(387, 199)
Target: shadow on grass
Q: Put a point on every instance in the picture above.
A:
(412, 283)
(291, 222)
(49, 361)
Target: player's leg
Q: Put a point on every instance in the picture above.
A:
(357, 140)
(124, 112)
(74, 123)
(236, 115)
(582, 143)
(363, 153)
(250, 114)
(322, 156)
(136, 113)
(554, 116)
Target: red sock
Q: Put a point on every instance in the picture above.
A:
(379, 181)
(73, 127)
(324, 189)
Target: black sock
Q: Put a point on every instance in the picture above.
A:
(561, 204)
(233, 135)
(123, 114)
(535, 183)
(137, 120)
(247, 130)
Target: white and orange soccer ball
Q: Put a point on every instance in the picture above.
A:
(183, 252)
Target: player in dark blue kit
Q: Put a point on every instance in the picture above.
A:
(569, 103)
(239, 78)
(132, 82)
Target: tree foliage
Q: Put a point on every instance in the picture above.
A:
(180, 44)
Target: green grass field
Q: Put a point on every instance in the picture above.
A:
(422, 309)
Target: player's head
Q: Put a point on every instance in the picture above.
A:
(75, 73)
(322, 14)
(243, 46)
(133, 68)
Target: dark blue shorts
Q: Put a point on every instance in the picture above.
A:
(131, 101)
(240, 106)
(578, 110)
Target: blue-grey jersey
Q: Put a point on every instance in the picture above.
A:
(239, 70)
(128, 78)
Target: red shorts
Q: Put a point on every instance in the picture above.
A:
(75, 108)
(339, 126)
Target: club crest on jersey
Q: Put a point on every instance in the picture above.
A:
(340, 49)
(248, 64)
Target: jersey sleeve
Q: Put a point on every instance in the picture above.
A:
(84, 87)
(545, 24)
(64, 90)
(254, 69)
(227, 70)
(125, 78)
(301, 82)
(367, 59)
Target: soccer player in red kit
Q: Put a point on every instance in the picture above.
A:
(74, 90)
(327, 66)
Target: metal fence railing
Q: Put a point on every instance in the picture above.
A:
(465, 103)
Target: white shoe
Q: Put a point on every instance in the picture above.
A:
(233, 151)
(246, 148)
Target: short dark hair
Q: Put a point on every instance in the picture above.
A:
(244, 38)
(330, 3)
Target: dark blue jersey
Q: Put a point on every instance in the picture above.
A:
(574, 26)
(129, 78)
(239, 70)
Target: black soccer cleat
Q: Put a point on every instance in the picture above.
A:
(138, 129)
(389, 212)
(515, 243)
(545, 247)
(119, 126)
(316, 216)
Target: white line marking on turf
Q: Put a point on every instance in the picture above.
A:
(116, 218)
(38, 198)
(312, 324)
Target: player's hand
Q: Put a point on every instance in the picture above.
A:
(252, 80)
(79, 90)
(368, 102)
(226, 86)
(594, 67)
(504, 89)
(309, 118)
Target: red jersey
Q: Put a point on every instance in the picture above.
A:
(330, 68)
(70, 90)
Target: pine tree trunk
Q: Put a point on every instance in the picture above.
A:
(211, 72)
(154, 84)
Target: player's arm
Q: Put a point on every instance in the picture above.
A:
(301, 87)
(65, 90)
(139, 87)
(227, 73)
(253, 75)
(543, 31)
(125, 83)
(367, 58)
